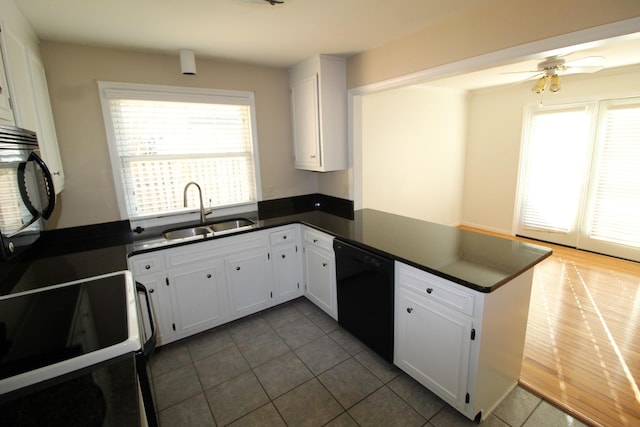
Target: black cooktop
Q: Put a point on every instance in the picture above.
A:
(40, 328)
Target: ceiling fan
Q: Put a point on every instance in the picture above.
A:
(271, 2)
(548, 71)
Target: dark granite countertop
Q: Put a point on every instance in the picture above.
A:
(471, 259)
(474, 260)
(105, 394)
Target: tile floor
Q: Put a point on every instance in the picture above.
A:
(293, 365)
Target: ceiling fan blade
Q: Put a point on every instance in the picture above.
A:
(536, 76)
(582, 70)
(587, 61)
(520, 72)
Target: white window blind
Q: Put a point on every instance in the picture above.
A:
(580, 176)
(12, 211)
(556, 148)
(615, 200)
(162, 142)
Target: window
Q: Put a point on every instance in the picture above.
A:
(580, 180)
(161, 138)
(12, 211)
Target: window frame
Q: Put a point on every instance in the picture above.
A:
(580, 234)
(110, 90)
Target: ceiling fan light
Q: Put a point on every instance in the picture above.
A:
(539, 86)
(554, 86)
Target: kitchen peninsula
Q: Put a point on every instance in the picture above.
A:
(485, 283)
(461, 298)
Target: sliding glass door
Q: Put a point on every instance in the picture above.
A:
(580, 176)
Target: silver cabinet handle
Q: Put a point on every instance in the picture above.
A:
(409, 309)
(147, 267)
(151, 291)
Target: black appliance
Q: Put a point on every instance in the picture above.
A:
(365, 296)
(143, 367)
(27, 196)
(50, 335)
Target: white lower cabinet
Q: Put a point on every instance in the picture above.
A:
(320, 271)
(286, 259)
(160, 298)
(198, 286)
(463, 345)
(433, 345)
(199, 297)
(248, 281)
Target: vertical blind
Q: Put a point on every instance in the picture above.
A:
(581, 176)
(162, 145)
(555, 166)
(615, 201)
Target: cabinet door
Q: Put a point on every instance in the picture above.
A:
(160, 297)
(433, 345)
(47, 138)
(287, 273)
(6, 114)
(306, 131)
(249, 284)
(198, 295)
(32, 107)
(321, 280)
(17, 63)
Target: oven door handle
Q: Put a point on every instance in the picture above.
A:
(150, 344)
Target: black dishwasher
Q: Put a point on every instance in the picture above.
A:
(365, 296)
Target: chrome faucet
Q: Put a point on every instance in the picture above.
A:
(203, 212)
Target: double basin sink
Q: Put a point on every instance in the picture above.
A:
(215, 229)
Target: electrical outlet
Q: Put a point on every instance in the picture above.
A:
(268, 191)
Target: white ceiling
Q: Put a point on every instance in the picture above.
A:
(255, 32)
(619, 52)
(243, 30)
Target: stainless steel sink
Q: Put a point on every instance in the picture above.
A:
(231, 225)
(186, 232)
(222, 227)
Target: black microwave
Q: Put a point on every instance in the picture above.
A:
(27, 195)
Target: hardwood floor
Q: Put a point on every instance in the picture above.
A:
(582, 350)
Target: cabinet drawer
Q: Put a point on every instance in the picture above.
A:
(146, 265)
(284, 236)
(436, 288)
(318, 239)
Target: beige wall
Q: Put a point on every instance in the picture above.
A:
(493, 26)
(72, 73)
(413, 153)
(495, 133)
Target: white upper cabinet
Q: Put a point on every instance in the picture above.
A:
(318, 88)
(30, 99)
(6, 114)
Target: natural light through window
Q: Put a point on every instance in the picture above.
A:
(580, 176)
(556, 158)
(161, 142)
